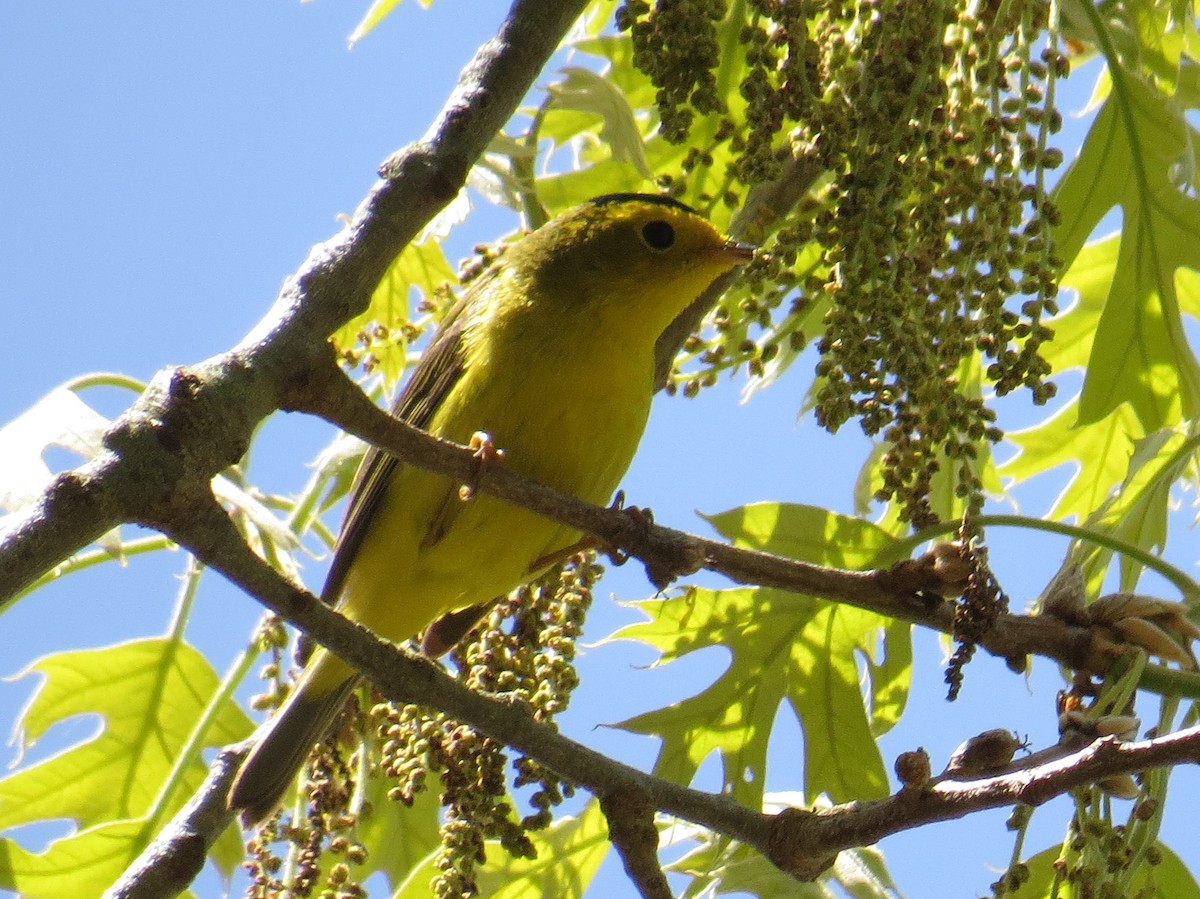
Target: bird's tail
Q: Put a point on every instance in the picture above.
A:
(285, 740)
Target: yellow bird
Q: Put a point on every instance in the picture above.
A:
(551, 353)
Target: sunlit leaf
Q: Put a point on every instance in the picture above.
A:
(60, 418)
(783, 647)
(1138, 513)
(1140, 354)
(584, 91)
(84, 864)
(401, 837)
(148, 695)
(719, 866)
(568, 854)
(421, 268)
(1169, 879)
(1099, 454)
(378, 11)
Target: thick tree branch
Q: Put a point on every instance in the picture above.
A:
(210, 534)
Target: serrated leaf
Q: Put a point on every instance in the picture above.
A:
(1090, 277)
(1099, 452)
(61, 419)
(84, 864)
(1122, 481)
(817, 535)
(783, 647)
(1137, 513)
(149, 694)
(808, 533)
(569, 852)
(584, 91)
(1169, 879)
(1140, 354)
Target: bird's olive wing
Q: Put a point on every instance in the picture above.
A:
(436, 374)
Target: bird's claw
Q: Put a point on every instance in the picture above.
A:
(486, 454)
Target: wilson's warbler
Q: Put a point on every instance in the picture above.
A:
(551, 353)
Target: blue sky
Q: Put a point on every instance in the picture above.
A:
(166, 166)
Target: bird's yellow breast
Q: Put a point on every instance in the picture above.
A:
(566, 419)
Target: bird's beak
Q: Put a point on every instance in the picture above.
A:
(738, 251)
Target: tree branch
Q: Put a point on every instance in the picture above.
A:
(907, 591)
(632, 832)
(210, 534)
(801, 840)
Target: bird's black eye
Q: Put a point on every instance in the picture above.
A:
(658, 234)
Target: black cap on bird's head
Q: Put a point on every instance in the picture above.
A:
(660, 199)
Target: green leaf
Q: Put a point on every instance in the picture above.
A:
(1090, 277)
(616, 52)
(1137, 514)
(379, 11)
(569, 852)
(1099, 452)
(562, 191)
(1173, 878)
(584, 91)
(808, 533)
(1170, 879)
(84, 864)
(719, 866)
(421, 267)
(1122, 485)
(400, 837)
(1140, 354)
(783, 647)
(59, 419)
(149, 694)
